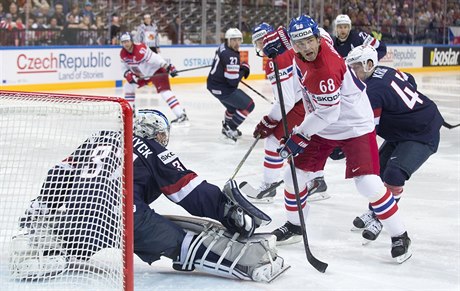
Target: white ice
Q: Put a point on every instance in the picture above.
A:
(430, 204)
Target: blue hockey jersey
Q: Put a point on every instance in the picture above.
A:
(355, 39)
(158, 170)
(401, 112)
(225, 73)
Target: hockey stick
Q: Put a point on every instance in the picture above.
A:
(255, 91)
(449, 126)
(192, 69)
(179, 71)
(317, 264)
(245, 157)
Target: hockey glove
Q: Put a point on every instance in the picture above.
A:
(337, 154)
(172, 70)
(130, 77)
(245, 69)
(265, 127)
(142, 82)
(276, 42)
(294, 145)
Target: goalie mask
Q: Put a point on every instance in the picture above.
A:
(152, 124)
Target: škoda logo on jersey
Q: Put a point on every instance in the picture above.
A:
(301, 34)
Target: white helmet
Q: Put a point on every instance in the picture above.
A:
(342, 19)
(152, 124)
(233, 33)
(363, 54)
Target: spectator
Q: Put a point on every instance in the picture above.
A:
(73, 17)
(173, 31)
(9, 25)
(14, 11)
(115, 29)
(2, 12)
(88, 11)
(59, 14)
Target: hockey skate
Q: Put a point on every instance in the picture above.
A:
(287, 234)
(181, 121)
(372, 231)
(230, 133)
(317, 190)
(364, 219)
(264, 194)
(400, 248)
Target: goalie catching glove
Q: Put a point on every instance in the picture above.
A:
(209, 248)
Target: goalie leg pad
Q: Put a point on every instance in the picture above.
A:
(35, 257)
(212, 249)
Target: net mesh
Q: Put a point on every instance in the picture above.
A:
(61, 192)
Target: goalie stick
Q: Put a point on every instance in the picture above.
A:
(317, 264)
(245, 157)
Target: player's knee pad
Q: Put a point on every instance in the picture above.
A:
(370, 186)
(394, 175)
(36, 256)
(212, 249)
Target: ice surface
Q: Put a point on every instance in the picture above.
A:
(430, 204)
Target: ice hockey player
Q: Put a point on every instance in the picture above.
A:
(223, 79)
(270, 128)
(75, 227)
(339, 114)
(407, 120)
(141, 66)
(345, 40)
(147, 33)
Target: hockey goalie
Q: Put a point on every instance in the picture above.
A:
(77, 213)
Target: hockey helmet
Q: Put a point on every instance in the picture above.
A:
(152, 124)
(362, 54)
(233, 33)
(302, 27)
(260, 31)
(342, 19)
(125, 36)
(257, 34)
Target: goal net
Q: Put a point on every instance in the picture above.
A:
(65, 192)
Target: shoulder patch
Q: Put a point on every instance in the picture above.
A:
(167, 156)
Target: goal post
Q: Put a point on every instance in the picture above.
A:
(66, 201)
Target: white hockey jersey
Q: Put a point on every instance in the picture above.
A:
(336, 99)
(142, 61)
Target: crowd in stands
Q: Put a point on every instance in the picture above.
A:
(69, 22)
